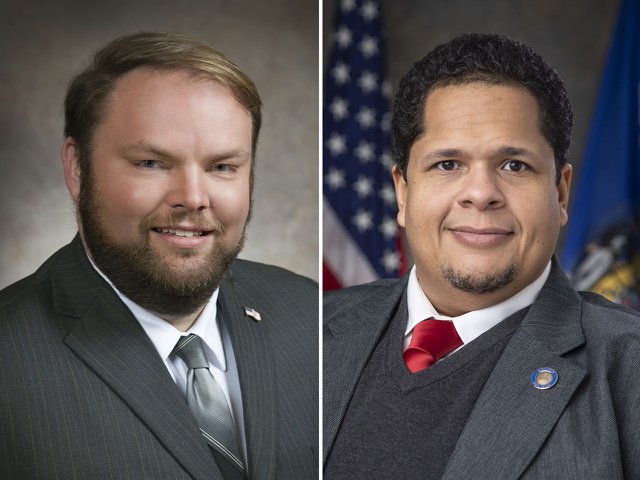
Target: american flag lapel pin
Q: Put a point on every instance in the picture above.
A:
(250, 312)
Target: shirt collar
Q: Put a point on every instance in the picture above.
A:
(471, 324)
(164, 336)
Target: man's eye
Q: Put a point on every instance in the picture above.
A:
(149, 164)
(515, 166)
(225, 167)
(447, 165)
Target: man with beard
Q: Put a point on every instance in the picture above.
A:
(483, 362)
(144, 349)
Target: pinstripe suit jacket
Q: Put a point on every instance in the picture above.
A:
(84, 394)
(587, 427)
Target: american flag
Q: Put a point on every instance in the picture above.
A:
(250, 312)
(360, 231)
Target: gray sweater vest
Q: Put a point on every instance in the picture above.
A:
(405, 426)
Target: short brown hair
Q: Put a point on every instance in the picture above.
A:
(88, 91)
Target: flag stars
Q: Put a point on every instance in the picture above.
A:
(385, 159)
(363, 220)
(339, 108)
(390, 261)
(385, 122)
(368, 81)
(343, 37)
(364, 151)
(368, 46)
(366, 117)
(341, 73)
(388, 228)
(336, 144)
(363, 186)
(347, 5)
(388, 194)
(369, 11)
(335, 178)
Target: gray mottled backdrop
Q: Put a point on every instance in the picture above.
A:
(42, 43)
(573, 36)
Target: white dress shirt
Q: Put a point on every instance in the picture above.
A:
(471, 324)
(217, 345)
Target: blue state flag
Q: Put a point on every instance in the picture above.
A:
(602, 242)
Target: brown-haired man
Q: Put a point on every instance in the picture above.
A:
(144, 349)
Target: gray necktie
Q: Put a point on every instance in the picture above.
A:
(209, 407)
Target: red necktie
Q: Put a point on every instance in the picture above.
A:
(432, 340)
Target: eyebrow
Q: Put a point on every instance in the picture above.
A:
(144, 147)
(444, 154)
(507, 151)
(148, 148)
(515, 152)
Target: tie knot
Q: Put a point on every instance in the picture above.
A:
(190, 350)
(432, 339)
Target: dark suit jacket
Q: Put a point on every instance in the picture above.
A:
(84, 394)
(585, 427)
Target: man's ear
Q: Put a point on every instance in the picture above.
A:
(71, 164)
(400, 185)
(564, 188)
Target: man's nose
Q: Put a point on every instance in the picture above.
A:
(481, 189)
(189, 189)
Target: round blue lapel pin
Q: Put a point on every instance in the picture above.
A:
(544, 378)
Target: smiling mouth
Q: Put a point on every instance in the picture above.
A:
(182, 233)
(481, 231)
(479, 238)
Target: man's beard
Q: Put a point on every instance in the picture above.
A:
(144, 275)
(474, 283)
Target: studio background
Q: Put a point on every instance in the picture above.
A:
(43, 43)
(572, 36)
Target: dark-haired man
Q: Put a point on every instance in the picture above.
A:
(483, 362)
(144, 349)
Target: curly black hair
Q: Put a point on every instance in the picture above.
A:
(486, 58)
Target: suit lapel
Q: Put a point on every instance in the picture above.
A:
(511, 418)
(113, 344)
(355, 333)
(254, 358)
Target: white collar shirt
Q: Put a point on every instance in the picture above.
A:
(216, 341)
(471, 324)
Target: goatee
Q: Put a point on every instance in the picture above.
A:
(476, 283)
